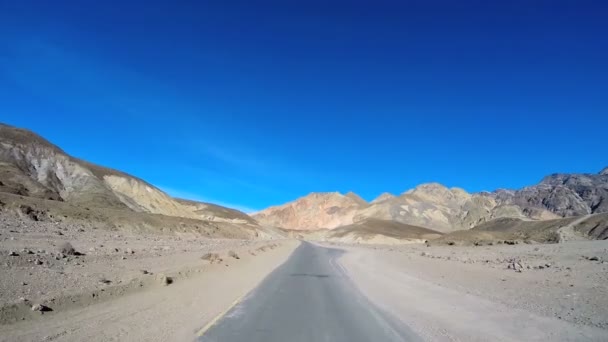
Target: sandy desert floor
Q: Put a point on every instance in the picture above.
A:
(127, 286)
(489, 293)
(115, 287)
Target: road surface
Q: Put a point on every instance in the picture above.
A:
(308, 298)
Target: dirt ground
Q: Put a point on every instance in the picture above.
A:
(499, 293)
(111, 274)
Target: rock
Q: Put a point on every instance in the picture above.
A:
(67, 249)
(515, 266)
(164, 280)
(38, 262)
(104, 281)
(233, 255)
(13, 253)
(129, 251)
(41, 308)
(593, 258)
(123, 258)
(212, 258)
(144, 272)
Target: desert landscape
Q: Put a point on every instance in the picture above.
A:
(90, 253)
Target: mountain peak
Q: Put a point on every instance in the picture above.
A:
(383, 197)
(604, 172)
(356, 198)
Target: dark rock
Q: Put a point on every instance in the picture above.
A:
(41, 308)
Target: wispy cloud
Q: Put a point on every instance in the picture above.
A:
(195, 197)
(85, 82)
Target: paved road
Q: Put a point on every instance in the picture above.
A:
(310, 299)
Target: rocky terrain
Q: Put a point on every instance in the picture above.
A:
(436, 207)
(72, 281)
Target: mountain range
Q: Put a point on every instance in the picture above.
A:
(443, 209)
(39, 176)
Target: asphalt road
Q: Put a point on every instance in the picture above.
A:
(308, 298)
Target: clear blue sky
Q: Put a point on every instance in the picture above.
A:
(253, 105)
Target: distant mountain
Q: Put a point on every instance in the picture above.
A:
(564, 194)
(33, 167)
(383, 197)
(434, 206)
(314, 211)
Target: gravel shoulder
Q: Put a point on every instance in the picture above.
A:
(556, 292)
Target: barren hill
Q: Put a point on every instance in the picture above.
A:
(593, 227)
(33, 167)
(381, 231)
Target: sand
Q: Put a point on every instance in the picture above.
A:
(104, 294)
(451, 293)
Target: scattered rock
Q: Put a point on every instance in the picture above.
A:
(515, 266)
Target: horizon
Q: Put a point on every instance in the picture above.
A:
(252, 106)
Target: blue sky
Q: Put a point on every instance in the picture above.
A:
(252, 105)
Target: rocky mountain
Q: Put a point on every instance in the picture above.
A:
(383, 197)
(563, 194)
(33, 167)
(437, 207)
(317, 210)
